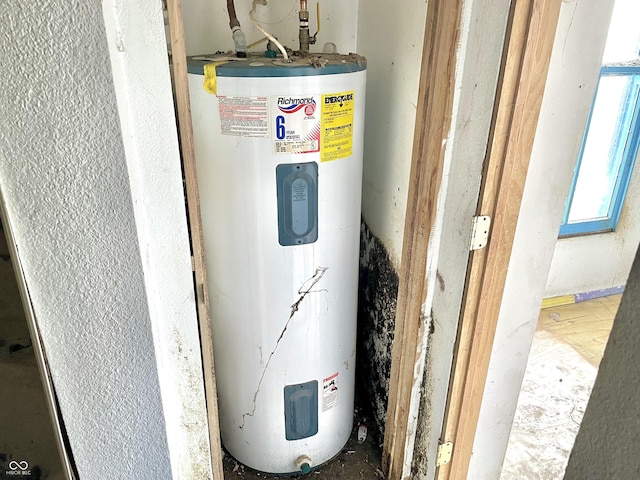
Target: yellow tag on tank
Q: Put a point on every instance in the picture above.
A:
(210, 80)
(336, 132)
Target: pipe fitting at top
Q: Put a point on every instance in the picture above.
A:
(303, 36)
(233, 18)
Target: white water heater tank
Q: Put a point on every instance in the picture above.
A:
(279, 161)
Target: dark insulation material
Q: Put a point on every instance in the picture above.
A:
(376, 320)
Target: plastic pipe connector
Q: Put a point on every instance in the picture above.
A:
(304, 463)
(239, 41)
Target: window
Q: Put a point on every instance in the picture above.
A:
(612, 137)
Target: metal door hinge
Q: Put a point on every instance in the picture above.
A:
(480, 232)
(445, 450)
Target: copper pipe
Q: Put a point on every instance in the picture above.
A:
(304, 26)
(233, 18)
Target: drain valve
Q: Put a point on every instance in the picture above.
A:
(304, 464)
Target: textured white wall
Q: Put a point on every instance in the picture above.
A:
(82, 209)
(572, 78)
(135, 36)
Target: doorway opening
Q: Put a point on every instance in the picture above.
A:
(27, 439)
(589, 269)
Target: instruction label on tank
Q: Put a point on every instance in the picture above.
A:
(244, 116)
(337, 126)
(295, 121)
(330, 392)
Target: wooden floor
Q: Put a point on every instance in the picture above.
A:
(585, 326)
(563, 363)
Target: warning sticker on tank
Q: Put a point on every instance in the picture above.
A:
(243, 116)
(296, 123)
(330, 392)
(337, 126)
